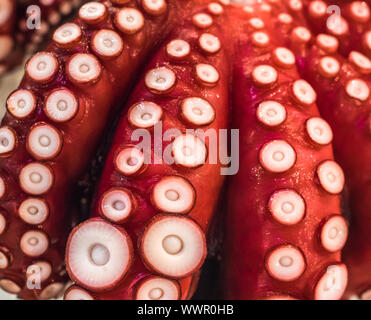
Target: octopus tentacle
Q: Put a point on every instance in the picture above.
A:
(294, 61)
(348, 21)
(344, 101)
(284, 208)
(61, 91)
(161, 205)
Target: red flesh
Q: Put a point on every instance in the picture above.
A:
(206, 177)
(347, 115)
(94, 110)
(251, 231)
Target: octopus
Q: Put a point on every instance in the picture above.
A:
(128, 99)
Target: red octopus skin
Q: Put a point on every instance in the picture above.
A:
(177, 279)
(344, 101)
(267, 254)
(348, 21)
(85, 70)
(282, 21)
(7, 22)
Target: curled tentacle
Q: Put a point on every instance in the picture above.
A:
(343, 87)
(160, 203)
(58, 108)
(284, 224)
